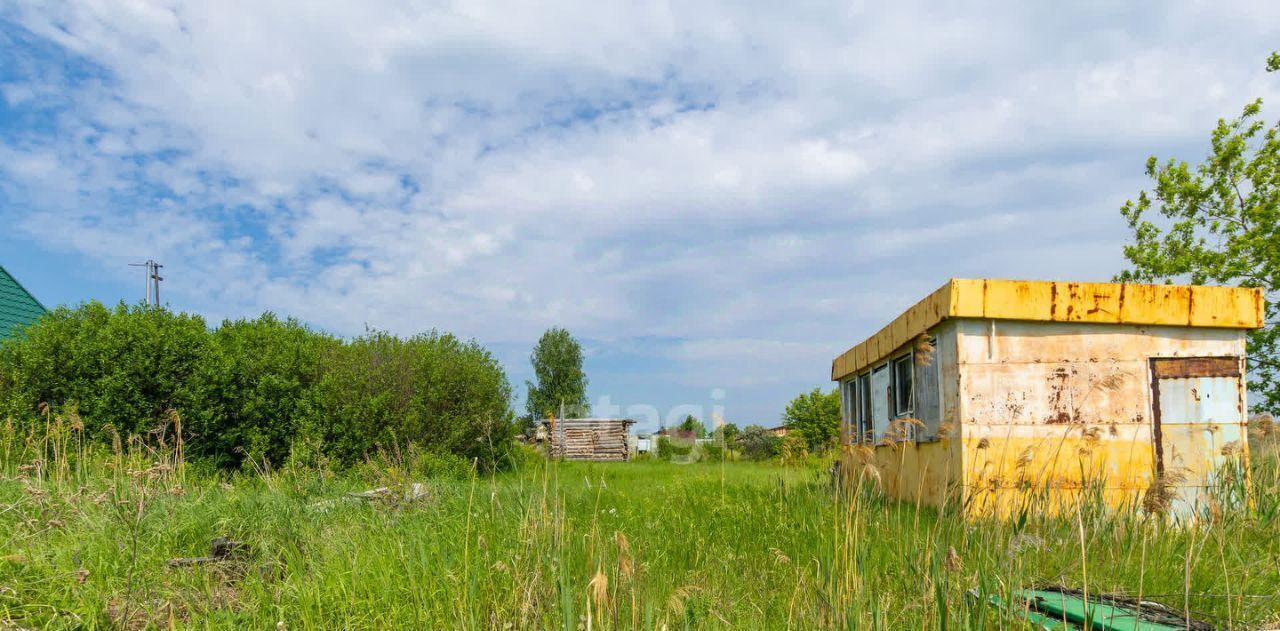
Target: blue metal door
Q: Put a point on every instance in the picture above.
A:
(1199, 425)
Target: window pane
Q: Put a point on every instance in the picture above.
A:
(902, 385)
(881, 377)
(852, 386)
(849, 424)
(864, 405)
(926, 404)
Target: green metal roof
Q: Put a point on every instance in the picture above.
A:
(17, 306)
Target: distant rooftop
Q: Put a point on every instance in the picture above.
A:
(591, 420)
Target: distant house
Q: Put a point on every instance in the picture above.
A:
(779, 431)
(18, 308)
(644, 443)
(588, 438)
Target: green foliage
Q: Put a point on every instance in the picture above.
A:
(254, 388)
(523, 456)
(794, 448)
(267, 390)
(664, 448)
(382, 392)
(669, 448)
(711, 451)
(757, 443)
(693, 425)
(401, 467)
(815, 415)
(728, 433)
(557, 365)
(122, 368)
(1219, 223)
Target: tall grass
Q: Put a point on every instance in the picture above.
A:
(572, 546)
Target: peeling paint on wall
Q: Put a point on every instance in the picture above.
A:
(1061, 412)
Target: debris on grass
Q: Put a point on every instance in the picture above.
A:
(412, 493)
(220, 549)
(1054, 608)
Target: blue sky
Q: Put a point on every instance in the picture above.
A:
(717, 198)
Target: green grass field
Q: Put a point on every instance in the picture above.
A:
(576, 546)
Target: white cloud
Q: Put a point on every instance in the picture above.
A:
(741, 177)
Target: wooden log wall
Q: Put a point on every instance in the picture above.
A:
(590, 439)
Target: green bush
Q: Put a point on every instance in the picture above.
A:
(123, 368)
(712, 451)
(267, 389)
(253, 386)
(757, 443)
(523, 456)
(414, 463)
(664, 448)
(669, 447)
(381, 392)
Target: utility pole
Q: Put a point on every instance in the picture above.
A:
(153, 279)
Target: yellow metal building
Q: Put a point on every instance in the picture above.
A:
(995, 395)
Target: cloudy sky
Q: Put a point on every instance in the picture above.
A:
(710, 196)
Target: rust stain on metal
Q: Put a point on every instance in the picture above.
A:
(1060, 382)
(1183, 367)
(1046, 301)
(1156, 433)
(1014, 406)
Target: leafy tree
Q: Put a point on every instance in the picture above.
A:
(1219, 223)
(693, 426)
(758, 444)
(815, 415)
(557, 365)
(729, 433)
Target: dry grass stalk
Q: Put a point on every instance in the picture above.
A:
(924, 350)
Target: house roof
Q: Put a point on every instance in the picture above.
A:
(590, 421)
(1053, 301)
(17, 306)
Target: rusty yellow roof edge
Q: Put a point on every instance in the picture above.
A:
(1060, 301)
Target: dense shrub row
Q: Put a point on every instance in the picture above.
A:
(265, 389)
